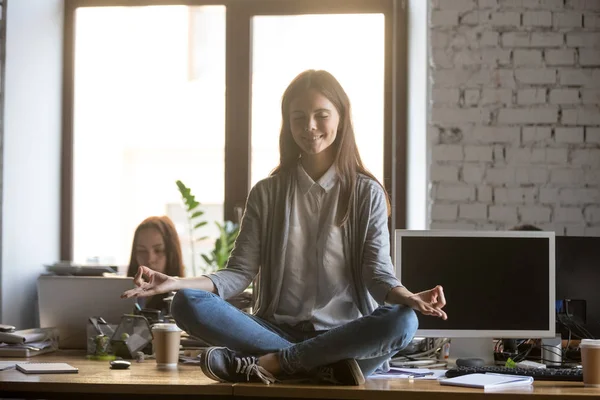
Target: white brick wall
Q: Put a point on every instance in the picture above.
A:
(515, 114)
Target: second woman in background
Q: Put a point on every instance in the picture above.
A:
(156, 245)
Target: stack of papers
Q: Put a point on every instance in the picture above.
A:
(28, 342)
(25, 336)
(414, 373)
(488, 381)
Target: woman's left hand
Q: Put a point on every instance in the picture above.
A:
(430, 302)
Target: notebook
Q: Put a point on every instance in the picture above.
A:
(488, 381)
(47, 368)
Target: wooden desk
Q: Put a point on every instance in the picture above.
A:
(142, 380)
(402, 389)
(96, 380)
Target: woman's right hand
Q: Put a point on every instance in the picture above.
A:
(150, 283)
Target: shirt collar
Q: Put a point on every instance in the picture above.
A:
(326, 182)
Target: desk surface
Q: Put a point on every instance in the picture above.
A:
(96, 377)
(96, 380)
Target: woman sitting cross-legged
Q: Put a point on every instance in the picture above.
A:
(329, 306)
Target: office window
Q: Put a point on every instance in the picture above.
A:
(193, 93)
(354, 56)
(149, 109)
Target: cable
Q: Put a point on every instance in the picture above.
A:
(568, 326)
(576, 324)
(552, 349)
(519, 356)
(582, 329)
(437, 347)
(497, 346)
(437, 344)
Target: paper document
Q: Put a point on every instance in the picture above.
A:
(8, 364)
(27, 335)
(415, 373)
(28, 349)
(488, 381)
(29, 345)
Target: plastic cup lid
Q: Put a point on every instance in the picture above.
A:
(589, 343)
(166, 327)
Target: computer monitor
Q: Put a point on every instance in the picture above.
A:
(577, 277)
(497, 284)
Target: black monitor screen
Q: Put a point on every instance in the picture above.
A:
(490, 283)
(578, 278)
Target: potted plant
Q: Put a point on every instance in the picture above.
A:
(217, 258)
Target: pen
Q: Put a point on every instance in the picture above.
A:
(420, 375)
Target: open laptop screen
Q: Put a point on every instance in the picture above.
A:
(67, 302)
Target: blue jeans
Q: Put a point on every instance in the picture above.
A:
(371, 339)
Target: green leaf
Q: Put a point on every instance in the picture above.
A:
(194, 215)
(207, 260)
(228, 231)
(200, 224)
(197, 214)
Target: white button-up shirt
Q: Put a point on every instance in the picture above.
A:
(316, 280)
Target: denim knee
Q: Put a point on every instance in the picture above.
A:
(410, 322)
(402, 323)
(185, 307)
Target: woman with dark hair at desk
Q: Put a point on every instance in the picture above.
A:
(156, 245)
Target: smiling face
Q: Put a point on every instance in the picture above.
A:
(314, 122)
(150, 250)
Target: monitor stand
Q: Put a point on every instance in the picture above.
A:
(472, 348)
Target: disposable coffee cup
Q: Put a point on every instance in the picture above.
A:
(590, 360)
(166, 339)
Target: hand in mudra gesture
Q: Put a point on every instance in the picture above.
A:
(150, 283)
(430, 302)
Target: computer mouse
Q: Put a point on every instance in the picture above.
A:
(470, 362)
(119, 364)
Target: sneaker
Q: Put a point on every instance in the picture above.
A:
(343, 372)
(224, 365)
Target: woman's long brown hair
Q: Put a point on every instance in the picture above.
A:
(347, 158)
(172, 245)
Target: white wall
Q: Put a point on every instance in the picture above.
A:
(417, 116)
(31, 173)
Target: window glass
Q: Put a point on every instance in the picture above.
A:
(350, 46)
(149, 109)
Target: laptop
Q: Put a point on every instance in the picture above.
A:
(67, 303)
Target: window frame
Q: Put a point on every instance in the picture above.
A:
(238, 73)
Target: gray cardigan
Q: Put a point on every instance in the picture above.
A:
(261, 245)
